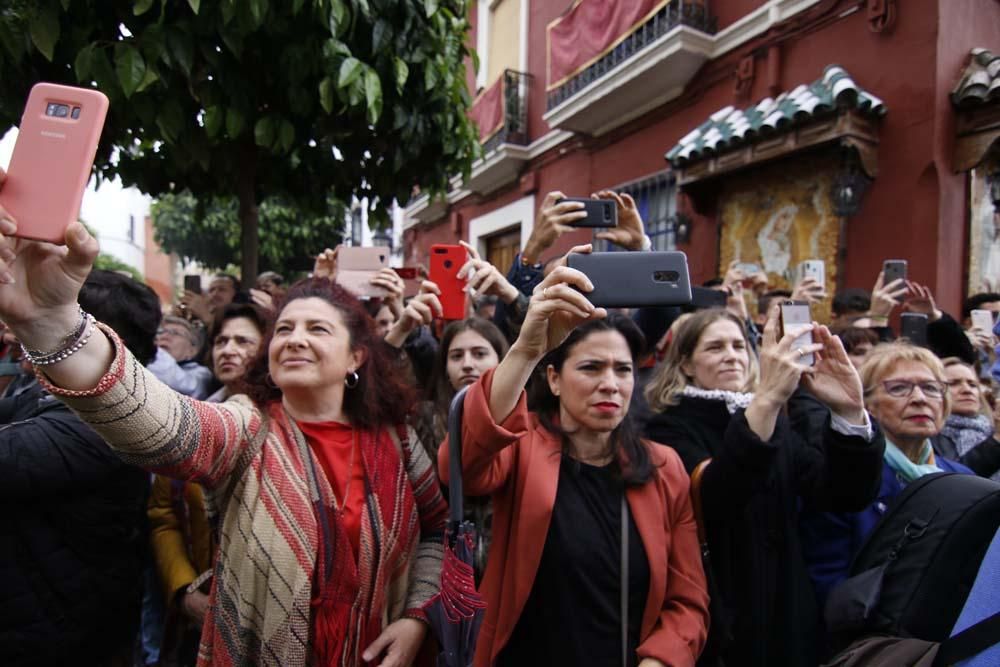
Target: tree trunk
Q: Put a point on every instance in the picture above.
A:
(246, 192)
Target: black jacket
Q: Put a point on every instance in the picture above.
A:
(752, 494)
(983, 459)
(72, 539)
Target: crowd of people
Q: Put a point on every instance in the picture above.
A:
(261, 476)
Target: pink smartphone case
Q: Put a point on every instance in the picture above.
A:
(52, 161)
(356, 266)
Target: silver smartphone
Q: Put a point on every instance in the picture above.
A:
(795, 316)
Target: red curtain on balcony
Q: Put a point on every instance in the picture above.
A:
(590, 29)
(487, 110)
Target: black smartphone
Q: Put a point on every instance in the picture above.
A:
(635, 279)
(600, 212)
(795, 316)
(705, 297)
(192, 284)
(913, 327)
(893, 269)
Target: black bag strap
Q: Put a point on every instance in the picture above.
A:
(624, 580)
(969, 642)
(455, 497)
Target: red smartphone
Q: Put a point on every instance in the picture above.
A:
(411, 280)
(52, 159)
(446, 260)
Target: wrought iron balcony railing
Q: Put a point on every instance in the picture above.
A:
(515, 111)
(692, 13)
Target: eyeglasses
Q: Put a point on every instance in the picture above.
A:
(903, 388)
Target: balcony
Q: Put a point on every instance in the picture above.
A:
(649, 66)
(501, 112)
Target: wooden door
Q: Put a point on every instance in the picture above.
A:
(502, 248)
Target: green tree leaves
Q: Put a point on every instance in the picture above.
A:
(210, 233)
(301, 100)
(130, 67)
(44, 28)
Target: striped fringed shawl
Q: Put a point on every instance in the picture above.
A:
(256, 477)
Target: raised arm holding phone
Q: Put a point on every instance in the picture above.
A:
(753, 473)
(575, 492)
(281, 457)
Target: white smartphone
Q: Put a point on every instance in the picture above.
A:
(795, 316)
(982, 319)
(813, 268)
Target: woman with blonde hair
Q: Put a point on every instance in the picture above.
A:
(969, 433)
(906, 391)
(755, 473)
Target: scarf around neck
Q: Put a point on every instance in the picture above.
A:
(906, 469)
(734, 400)
(967, 432)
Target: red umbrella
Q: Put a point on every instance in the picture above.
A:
(456, 611)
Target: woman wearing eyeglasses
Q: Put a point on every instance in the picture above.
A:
(907, 394)
(969, 432)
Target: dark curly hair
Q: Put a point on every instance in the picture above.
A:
(626, 445)
(381, 396)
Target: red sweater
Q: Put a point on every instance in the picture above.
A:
(517, 463)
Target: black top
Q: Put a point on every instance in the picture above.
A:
(73, 539)
(752, 494)
(572, 616)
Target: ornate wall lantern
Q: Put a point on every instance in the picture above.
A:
(849, 185)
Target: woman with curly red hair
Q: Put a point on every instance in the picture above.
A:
(330, 512)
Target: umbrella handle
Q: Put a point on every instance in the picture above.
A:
(455, 495)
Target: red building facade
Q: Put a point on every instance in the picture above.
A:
(650, 73)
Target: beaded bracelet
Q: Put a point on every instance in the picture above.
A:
(68, 339)
(72, 344)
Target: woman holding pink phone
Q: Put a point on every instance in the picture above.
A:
(331, 515)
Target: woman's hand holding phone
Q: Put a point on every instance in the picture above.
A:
(325, 265)
(394, 286)
(886, 297)
(780, 372)
(39, 286)
(833, 380)
(421, 310)
(39, 282)
(809, 290)
(630, 231)
(920, 299)
(557, 306)
(484, 278)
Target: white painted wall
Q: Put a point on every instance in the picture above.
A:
(520, 212)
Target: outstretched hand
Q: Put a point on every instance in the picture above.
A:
(39, 282)
(558, 305)
(630, 231)
(833, 380)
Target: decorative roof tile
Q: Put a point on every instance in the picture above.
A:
(980, 80)
(731, 127)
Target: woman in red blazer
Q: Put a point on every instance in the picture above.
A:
(558, 475)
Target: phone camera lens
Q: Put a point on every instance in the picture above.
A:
(447, 264)
(62, 110)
